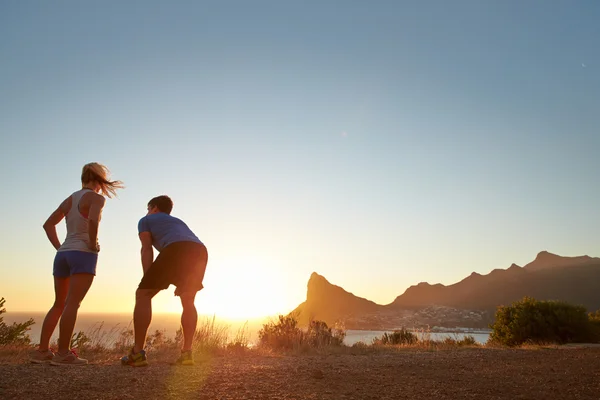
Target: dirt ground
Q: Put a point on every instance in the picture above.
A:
(561, 373)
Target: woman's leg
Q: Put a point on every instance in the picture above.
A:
(78, 287)
(61, 288)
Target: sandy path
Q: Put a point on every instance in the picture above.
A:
(460, 374)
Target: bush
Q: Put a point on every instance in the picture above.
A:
(210, 336)
(320, 335)
(15, 333)
(79, 340)
(282, 334)
(467, 340)
(595, 322)
(531, 321)
(124, 341)
(241, 340)
(159, 340)
(398, 337)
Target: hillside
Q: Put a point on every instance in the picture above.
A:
(327, 302)
(469, 302)
(548, 277)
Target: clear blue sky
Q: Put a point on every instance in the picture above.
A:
(380, 144)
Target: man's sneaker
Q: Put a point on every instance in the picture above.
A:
(41, 357)
(71, 358)
(186, 358)
(135, 359)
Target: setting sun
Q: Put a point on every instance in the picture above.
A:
(247, 288)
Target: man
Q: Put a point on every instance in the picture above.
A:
(181, 261)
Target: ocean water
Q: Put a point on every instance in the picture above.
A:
(107, 327)
(354, 336)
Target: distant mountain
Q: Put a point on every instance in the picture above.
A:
(327, 302)
(549, 277)
(545, 260)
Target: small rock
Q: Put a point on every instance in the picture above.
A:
(317, 374)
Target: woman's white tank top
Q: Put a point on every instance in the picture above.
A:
(77, 226)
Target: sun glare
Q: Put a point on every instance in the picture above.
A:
(242, 289)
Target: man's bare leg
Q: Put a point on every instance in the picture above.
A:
(142, 316)
(189, 319)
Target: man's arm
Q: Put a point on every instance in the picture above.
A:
(53, 220)
(147, 253)
(94, 217)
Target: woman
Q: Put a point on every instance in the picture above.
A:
(75, 261)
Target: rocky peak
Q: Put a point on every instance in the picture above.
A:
(547, 260)
(330, 303)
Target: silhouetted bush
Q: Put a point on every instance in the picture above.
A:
(15, 333)
(360, 345)
(210, 337)
(241, 340)
(124, 341)
(320, 335)
(467, 340)
(79, 340)
(284, 334)
(159, 340)
(281, 334)
(398, 337)
(595, 321)
(532, 321)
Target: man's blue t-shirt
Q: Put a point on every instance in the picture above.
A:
(166, 229)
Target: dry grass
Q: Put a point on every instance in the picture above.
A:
(106, 345)
(10, 354)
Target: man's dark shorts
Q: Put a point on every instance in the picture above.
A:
(181, 264)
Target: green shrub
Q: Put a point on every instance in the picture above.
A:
(531, 321)
(15, 333)
(398, 337)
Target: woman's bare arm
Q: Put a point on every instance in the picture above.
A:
(53, 220)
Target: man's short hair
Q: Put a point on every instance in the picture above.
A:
(164, 203)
